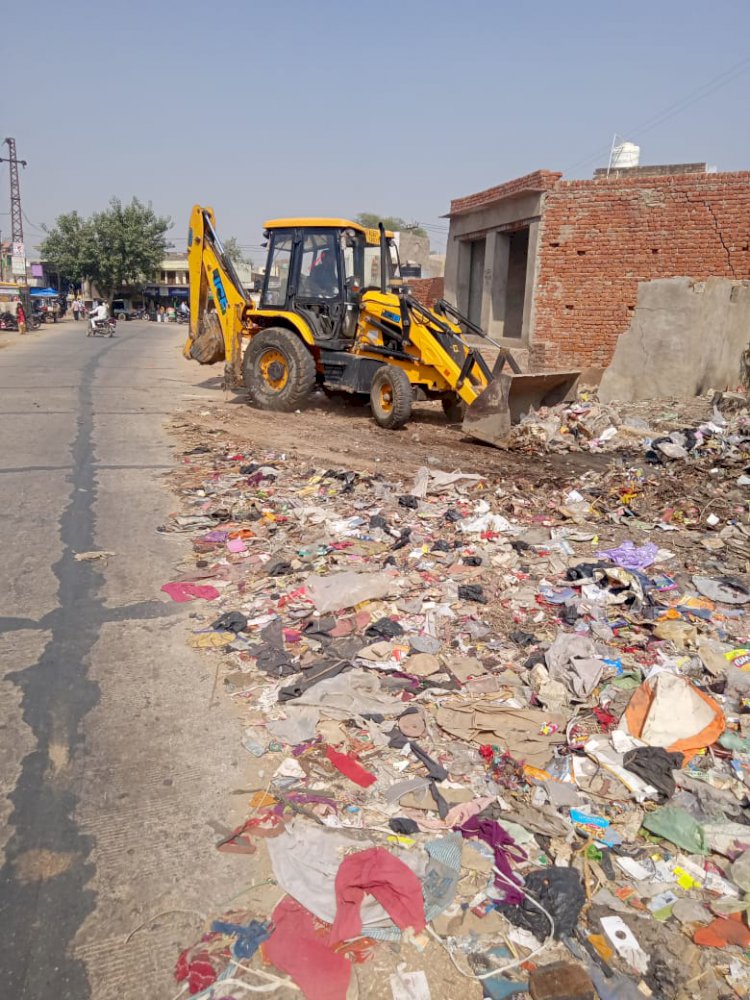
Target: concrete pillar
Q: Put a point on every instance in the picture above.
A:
(463, 271)
(497, 264)
(527, 332)
(451, 269)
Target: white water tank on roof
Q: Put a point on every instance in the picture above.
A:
(625, 155)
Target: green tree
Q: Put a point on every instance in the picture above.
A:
(124, 244)
(393, 222)
(66, 247)
(233, 251)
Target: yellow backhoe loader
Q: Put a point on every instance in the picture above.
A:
(333, 311)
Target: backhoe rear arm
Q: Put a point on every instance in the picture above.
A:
(211, 271)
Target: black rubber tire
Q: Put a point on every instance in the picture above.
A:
(454, 408)
(396, 382)
(300, 366)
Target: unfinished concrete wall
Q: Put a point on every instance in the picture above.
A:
(685, 337)
(599, 239)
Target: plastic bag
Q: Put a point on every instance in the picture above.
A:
(345, 590)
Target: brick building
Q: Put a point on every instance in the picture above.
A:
(552, 267)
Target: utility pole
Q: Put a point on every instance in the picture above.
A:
(16, 217)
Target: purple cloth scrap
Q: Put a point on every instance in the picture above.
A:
(506, 850)
(631, 556)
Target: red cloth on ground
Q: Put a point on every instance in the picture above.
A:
(350, 767)
(295, 948)
(389, 880)
(182, 592)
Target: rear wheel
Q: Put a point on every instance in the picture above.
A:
(391, 396)
(278, 370)
(453, 407)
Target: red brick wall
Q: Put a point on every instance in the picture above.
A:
(426, 290)
(540, 180)
(600, 238)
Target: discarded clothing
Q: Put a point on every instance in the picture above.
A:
(248, 937)
(384, 628)
(230, 621)
(403, 826)
(298, 727)
(297, 948)
(183, 592)
(323, 670)
(471, 592)
(631, 556)
(506, 850)
(526, 733)
(381, 874)
(357, 692)
(351, 768)
(654, 765)
(572, 661)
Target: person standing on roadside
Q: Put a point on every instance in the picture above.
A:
(76, 307)
(20, 317)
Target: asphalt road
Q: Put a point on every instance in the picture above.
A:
(114, 757)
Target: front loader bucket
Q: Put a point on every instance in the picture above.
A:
(509, 397)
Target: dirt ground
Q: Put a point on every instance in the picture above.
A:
(342, 433)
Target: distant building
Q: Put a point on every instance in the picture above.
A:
(173, 279)
(552, 267)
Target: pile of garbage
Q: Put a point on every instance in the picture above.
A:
(501, 732)
(713, 424)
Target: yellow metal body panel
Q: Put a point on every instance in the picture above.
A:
(312, 223)
(278, 316)
(433, 366)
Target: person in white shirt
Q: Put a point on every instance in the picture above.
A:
(98, 315)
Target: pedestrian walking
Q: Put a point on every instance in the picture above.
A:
(76, 307)
(21, 318)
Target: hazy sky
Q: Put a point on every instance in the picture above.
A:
(330, 107)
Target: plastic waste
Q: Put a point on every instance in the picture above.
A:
(625, 943)
(678, 827)
(345, 590)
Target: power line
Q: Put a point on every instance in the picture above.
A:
(721, 80)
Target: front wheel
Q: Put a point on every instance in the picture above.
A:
(278, 370)
(391, 396)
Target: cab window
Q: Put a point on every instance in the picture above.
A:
(277, 273)
(319, 268)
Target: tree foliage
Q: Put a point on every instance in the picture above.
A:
(124, 244)
(393, 222)
(233, 251)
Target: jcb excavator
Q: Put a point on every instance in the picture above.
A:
(333, 311)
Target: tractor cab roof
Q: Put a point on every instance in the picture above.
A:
(312, 223)
(371, 235)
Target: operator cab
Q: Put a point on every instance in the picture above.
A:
(319, 267)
